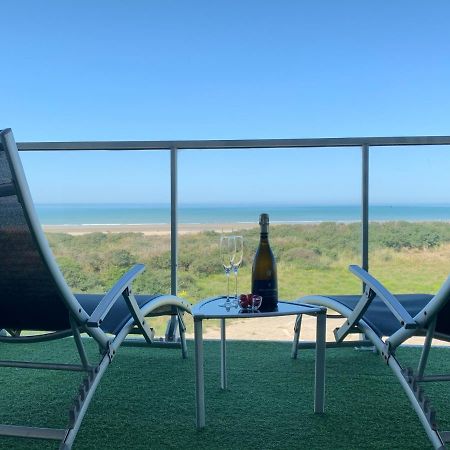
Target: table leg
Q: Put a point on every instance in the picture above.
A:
(199, 375)
(223, 355)
(319, 391)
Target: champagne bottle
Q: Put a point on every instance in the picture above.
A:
(264, 270)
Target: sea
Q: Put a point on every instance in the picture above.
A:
(143, 214)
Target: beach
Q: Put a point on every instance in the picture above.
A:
(81, 218)
(148, 229)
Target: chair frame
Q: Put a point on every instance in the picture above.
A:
(422, 324)
(80, 321)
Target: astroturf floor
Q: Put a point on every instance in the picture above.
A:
(146, 399)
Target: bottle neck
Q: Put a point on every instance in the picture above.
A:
(264, 227)
(264, 236)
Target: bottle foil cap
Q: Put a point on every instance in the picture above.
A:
(264, 219)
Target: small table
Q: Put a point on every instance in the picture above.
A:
(211, 309)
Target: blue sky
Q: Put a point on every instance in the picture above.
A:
(114, 70)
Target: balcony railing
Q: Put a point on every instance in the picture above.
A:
(364, 143)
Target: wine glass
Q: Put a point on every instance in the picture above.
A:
(236, 263)
(227, 251)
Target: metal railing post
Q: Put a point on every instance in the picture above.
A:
(365, 209)
(172, 325)
(173, 221)
(364, 215)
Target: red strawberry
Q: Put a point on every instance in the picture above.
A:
(243, 301)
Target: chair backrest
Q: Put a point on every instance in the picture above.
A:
(440, 305)
(438, 308)
(33, 292)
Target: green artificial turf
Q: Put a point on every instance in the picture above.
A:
(146, 400)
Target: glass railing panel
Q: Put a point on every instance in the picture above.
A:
(103, 212)
(410, 214)
(312, 197)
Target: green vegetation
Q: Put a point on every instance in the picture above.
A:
(311, 259)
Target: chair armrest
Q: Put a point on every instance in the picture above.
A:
(389, 300)
(115, 292)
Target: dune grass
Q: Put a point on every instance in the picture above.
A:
(146, 400)
(312, 259)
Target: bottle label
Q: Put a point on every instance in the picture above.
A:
(267, 289)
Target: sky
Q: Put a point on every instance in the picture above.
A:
(157, 70)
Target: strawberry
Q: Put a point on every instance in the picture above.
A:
(244, 301)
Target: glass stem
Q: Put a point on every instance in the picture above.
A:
(235, 282)
(228, 286)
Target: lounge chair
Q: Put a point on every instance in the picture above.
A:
(387, 321)
(35, 298)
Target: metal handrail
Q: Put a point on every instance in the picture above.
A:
(236, 143)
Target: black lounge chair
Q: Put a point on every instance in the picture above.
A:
(387, 321)
(34, 297)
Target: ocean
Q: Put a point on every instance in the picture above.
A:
(137, 214)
